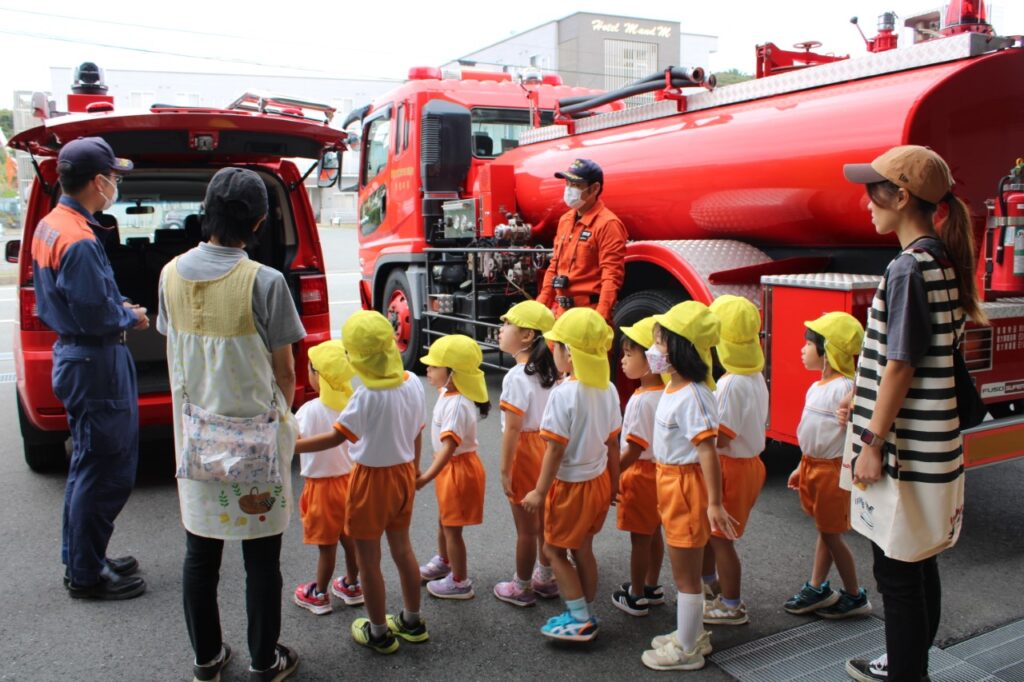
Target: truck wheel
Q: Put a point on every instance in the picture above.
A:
(44, 450)
(397, 307)
(631, 310)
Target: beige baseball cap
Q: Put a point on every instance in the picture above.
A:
(916, 169)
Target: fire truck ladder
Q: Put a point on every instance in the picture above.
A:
(280, 105)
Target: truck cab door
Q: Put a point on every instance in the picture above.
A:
(374, 174)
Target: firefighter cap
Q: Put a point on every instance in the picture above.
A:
(370, 343)
(919, 170)
(843, 337)
(530, 315)
(589, 339)
(739, 349)
(696, 323)
(462, 356)
(582, 170)
(334, 373)
(89, 156)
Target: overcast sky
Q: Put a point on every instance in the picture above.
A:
(376, 39)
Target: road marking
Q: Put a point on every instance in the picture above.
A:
(8, 378)
(7, 321)
(343, 302)
(6, 356)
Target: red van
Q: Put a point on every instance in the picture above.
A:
(176, 151)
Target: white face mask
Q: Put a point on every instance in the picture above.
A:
(112, 199)
(572, 197)
(657, 361)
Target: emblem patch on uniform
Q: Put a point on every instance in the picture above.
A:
(585, 235)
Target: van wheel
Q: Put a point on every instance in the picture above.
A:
(44, 450)
(398, 307)
(631, 310)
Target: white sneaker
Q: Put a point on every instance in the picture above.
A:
(672, 657)
(703, 642)
(717, 612)
(434, 569)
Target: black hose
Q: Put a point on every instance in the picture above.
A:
(622, 93)
(681, 77)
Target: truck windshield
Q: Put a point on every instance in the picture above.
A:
(496, 131)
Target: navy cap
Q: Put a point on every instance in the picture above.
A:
(582, 170)
(238, 192)
(90, 156)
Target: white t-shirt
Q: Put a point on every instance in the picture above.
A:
(582, 418)
(454, 416)
(686, 416)
(742, 413)
(383, 424)
(522, 393)
(638, 421)
(315, 418)
(819, 433)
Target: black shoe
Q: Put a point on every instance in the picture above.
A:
(210, 672)
(864, 670)
(126, 565)
(110, 587)
(286, 663)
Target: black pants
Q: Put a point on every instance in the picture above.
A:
(262, 596)
(912, 600)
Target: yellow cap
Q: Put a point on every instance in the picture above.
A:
(843, 338)
(642, 332)
(370, 342)
(334, 372)
(589, 339)
(696, 323)
(530, 315)
(462, 356)
(739, 349)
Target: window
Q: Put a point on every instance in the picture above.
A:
(399, 122)
(626, 61)
(187, 99)
(141, 100)
(378, 137)
(496, 131)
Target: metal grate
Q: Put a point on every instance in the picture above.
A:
(1000, 652)
(8, 378)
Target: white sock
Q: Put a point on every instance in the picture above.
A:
(689, 619)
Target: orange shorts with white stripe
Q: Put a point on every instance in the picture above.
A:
(683, 505)
(574, 511)
(460, 491)
(637, 508)
(379, 499)
(742, 480)
(820, 494)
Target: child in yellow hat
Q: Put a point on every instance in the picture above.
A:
(689, 475)
(326, 477)
(637, 508)
(742, 397)
(524, 395)
(383, 422)
(579, 476)
(832, 342)
(453, 368)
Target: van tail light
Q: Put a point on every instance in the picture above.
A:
(313, 295)
(30, 321)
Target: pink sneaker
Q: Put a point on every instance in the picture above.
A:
(511, 593)
(352, 595)
(543, 589)
(308, 598)
(435, 569)
(448, 588)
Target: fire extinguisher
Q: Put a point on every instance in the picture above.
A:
(1005, 242)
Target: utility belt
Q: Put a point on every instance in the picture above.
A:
(566, 302)
(112, 340)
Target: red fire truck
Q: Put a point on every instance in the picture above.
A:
(737, 189)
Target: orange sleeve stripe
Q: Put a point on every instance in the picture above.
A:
(722, 428)
(454, 436)
(614, 434)
(633, 438)
(703, 436)
(343, 430)
(548, 435)
(512, 408)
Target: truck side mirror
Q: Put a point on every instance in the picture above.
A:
(445, 146)
(11, 250)
(329, 169)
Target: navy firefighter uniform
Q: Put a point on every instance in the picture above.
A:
(93, 375)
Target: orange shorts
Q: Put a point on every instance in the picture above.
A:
(573, 511)
(322, 508)
(742, 480)
(460, 491)
(637, 510)
(526, 463)
(820, 494)
(683, 505)
(379, 499)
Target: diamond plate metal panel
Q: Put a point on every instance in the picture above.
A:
(1004, 308)
(707, 256)
(835, 281)
(644, 112)
(543, 134)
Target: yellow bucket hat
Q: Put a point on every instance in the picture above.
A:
(843, 338)
(370, 342)
(739, 349)
(589, 339)
(642, 332)
(530, 315)
(462, 356)
(334, 371)
(696, 323)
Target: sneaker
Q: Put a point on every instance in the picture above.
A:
(567, 628)
(286, 663)
(361, 632)
(634, 606)
(434, 569)
(653, 594)
(847, 606)
(717, 612)
(449, 588)
(703, 642)
(672, 657)
(511, 593)
(410, 633)
(811, 599)
(308, 598)
(210, 672)
(864, 670)
(711, 590)
(545, 589)
(352, 594)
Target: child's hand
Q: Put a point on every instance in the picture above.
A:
(615, 493)
(421, 481)
(843, 411)
(794, 480)
(533, 502)
(506, 484)
(722, 521)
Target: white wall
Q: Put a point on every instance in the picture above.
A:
(539, 45)
(695, 49)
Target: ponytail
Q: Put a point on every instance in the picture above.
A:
(958, 238)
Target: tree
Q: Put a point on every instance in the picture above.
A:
(7, 122)
(732, 76)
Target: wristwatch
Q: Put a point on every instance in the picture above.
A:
(869, 438)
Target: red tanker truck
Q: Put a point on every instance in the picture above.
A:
(736, 189)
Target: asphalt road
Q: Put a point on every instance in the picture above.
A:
(46, 636)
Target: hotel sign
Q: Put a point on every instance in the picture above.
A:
(631, 28)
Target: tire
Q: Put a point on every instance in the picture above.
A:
(44, 450)
(631, 310)
(396, 305)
